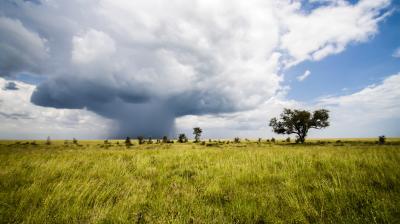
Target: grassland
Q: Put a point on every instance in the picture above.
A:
(320, 182)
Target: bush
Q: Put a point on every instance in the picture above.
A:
(273, 140)
(150, 141)
(75, 141)
(128, 141)
(382, 139)
(48, 141)
(165, 139)
(182, 138)
(288, 139)
(236, 140)
(140, 139)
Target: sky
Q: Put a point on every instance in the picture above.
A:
(98, 69)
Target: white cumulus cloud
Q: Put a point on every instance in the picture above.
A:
(396, 53)
(304, 76)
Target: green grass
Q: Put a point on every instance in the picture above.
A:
(347, 182)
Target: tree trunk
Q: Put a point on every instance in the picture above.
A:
(301, 138)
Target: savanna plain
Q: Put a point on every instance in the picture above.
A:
(321, 181)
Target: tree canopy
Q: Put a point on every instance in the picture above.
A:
(299, 122)
(197, 132)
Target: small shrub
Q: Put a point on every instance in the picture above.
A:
(165, 139)
(382, 140)
(150, 141)
(273, 140)
(140, 139)
(75, 141)
(48, 141)
(106, 142)
(288, 139)
(128, 141)
(236, 140)
(182, 138)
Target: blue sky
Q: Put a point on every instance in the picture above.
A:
(360, 65)
(120, 68)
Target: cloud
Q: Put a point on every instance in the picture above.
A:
(92, 46)
(304, 76)
(373, 111)
(23, 120)
(10, 86)
(396, 53)
(370, 112)
(145, 63)
(328, 30)
(20, 48)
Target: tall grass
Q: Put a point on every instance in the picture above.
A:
(350, 182)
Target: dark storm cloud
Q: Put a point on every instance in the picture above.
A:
(20, 48)
(136, 113)
(72, 92)
(10, 86)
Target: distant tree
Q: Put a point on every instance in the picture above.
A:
(236, 140)
(48, 141)
(288, 139)
(182, 138)
(273, 140)
(75, 141)
(140, 139)
(165, 139)
(128, 141)
(106, 142)
(197, 133)
(150, 141)
(299, 122)
(382, 139)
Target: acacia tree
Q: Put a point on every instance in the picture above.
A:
(197, 132)
(299, 122)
